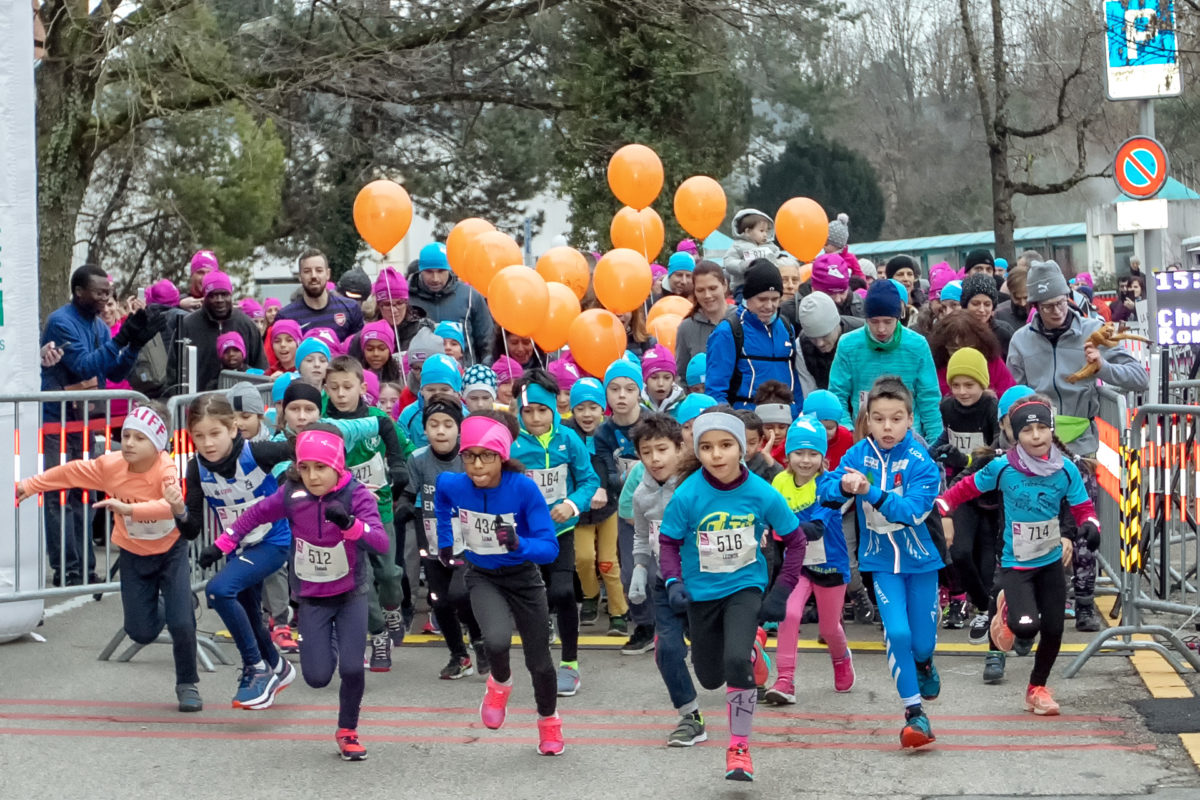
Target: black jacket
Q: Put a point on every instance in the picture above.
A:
(201, 331)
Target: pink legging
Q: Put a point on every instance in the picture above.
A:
(830, 600)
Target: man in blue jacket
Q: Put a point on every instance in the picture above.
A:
(91, 357)
(764, 350)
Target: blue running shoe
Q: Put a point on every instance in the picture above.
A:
(255, 687)
(928, 680)
(917, 732)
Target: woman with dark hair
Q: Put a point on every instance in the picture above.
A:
(710, 288)
(959, 329)
(519, 348)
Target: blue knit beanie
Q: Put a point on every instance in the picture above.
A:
(823, 404)
(441, 368)
(696, 369)
(310, 346)
(883, 300)
(433, 256)
(588, 390)
(1010, 397)
(680, 262)
(806, 433)
(691, 406)
(624, 368)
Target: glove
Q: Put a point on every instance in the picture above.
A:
(384, 422)
(951, 457)
(1090, 535)
(813, 531)
(155, 323)
(209, 556)
(336, 513)
(774, 607)
(678, 597)
(637, 585)
(446, 556)
(506, 535)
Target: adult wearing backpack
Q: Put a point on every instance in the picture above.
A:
(149, 374)
(753, 344)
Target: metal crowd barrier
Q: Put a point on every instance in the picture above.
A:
(228, 378)
(1159, 555)
(1110, 424)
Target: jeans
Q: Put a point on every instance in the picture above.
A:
(451, 604)
(640, 613)
(596, 546)
(559, 577)
(323, 651)
(670, 647)
(235, 593)
(908, 606)
(74, 544)
(146, 579)
(385, 589)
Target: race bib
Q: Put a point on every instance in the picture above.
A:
(876, 521)
(814, 553)
(624, 465)
(655, 544)
(148, 531)
(479, 532)
(317, 564)
(431, 536)
(551, 482)
(372, 472)
(965, 442)
(227, 515)
(1033, 540)
(727, 551)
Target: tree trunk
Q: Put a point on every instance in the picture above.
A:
(1004, 219)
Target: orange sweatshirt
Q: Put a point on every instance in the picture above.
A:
(150, 529)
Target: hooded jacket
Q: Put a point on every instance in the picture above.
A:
(691, 339)
(650, 500)
(1042, 360)
(767, 354)
(743, 251)
(458, 302)
(589, 515)
(812, 365)
(670, 404)
(558, 455)
(201, 331)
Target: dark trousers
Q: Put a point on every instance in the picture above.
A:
(1036, 600)
(670, 647)
(640, 613)
(235, 593)
(156, 592)
(973, 553)
(723, 637)
(451, 604)
(71, 544)
(333, 631)
(517, 594)
(559, 577)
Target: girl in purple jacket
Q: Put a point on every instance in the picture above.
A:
(334, 521)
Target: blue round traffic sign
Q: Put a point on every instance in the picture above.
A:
(1140, 167)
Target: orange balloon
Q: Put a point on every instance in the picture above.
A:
(802, 227)
(561, 311)
(622, 280)
(597, 338)
(517, 297)
(638, 230)
(489, 253)
(635, 175)
(664, 328)
(565, 265)
(382, 213)
(458, 243)
(700, 205)
(671, 304)
(805, 272)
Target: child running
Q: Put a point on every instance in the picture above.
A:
(507, 532)
(894, 482)
(335, 521)
(1034, 479)
(826, 563)
(143, 487)
(713, 567)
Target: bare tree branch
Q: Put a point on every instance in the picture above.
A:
(1078, 176)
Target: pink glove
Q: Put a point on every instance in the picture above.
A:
(355, 531)
(226, 543)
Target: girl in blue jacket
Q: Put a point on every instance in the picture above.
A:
(894, 482)
(559, 462)
(507, 532)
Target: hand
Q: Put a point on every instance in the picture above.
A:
(1092, 354)
(678, 597)
(767, 447)
(446, 556)
(51, 354)
(134, 303)
(854, 482)
(1129, 303)
(190, 303)
(384, 422)
(948, 531)
(950, 457)
(1090, 535)
(774, 606)
(561, 513)
(174, 496)
(336, 513)
(599, 499)
(506, 535)
(116, 506)
(813, 531)
(155, 323)
(22, 493)
(637, 585)
(209, 556)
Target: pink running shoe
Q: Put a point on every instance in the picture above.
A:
(1002, 635)
(494, 707)
(760, 659)
(550, 738)
(843, 672)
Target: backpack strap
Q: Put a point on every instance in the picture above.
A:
(734, 318)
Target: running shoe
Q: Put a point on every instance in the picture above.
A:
(917, 732)
(1086, 618)
(928, 680)
(393, 619)
(738, 766)
(589, 611)
(618, 625)
(642, 641)
(783, 693)
(494, 707)
(978, 633)
(760, 659)
(688, 731)
(554, 633)
(956, 614)
(407, 613)
(483, 662)
(381, 653)
(255, 686)
(568, 681)
(428, 628)
(1002, 635)
(286, 673)
(1040, 701)
(771, 627)
(550, 738)
(864, 609)
(1069, 610)
(349, 746)
(457, 667)
(843, 672)
(993, 667)
(281, 636)
(189, 697)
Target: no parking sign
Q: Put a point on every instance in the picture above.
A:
(1140, 167)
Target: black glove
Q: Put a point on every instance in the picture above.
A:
(155, 323)
(506, 535)
(384, 423)
(951, 457)
(814, 530)
(446, 556)
(678, 597)
(336, 513)
(209, 556)
(774, 606)
(1090, 535)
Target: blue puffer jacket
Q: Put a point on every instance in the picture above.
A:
(767, 354)
(88, 352)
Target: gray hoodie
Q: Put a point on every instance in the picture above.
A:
(650, 500)
(424, 467)
(458, 302)
(743, 251)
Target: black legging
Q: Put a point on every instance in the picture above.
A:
(722, 633)
(1036, 601)
(451, 604)
(559, 577)
(973, 552)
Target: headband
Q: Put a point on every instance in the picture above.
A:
(774, 413)
(454, 410)
(718, 421)
(1027, 412)
(147, 422)
(485, 432)
(323, 447)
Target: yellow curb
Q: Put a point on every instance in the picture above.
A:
(1191, 742)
